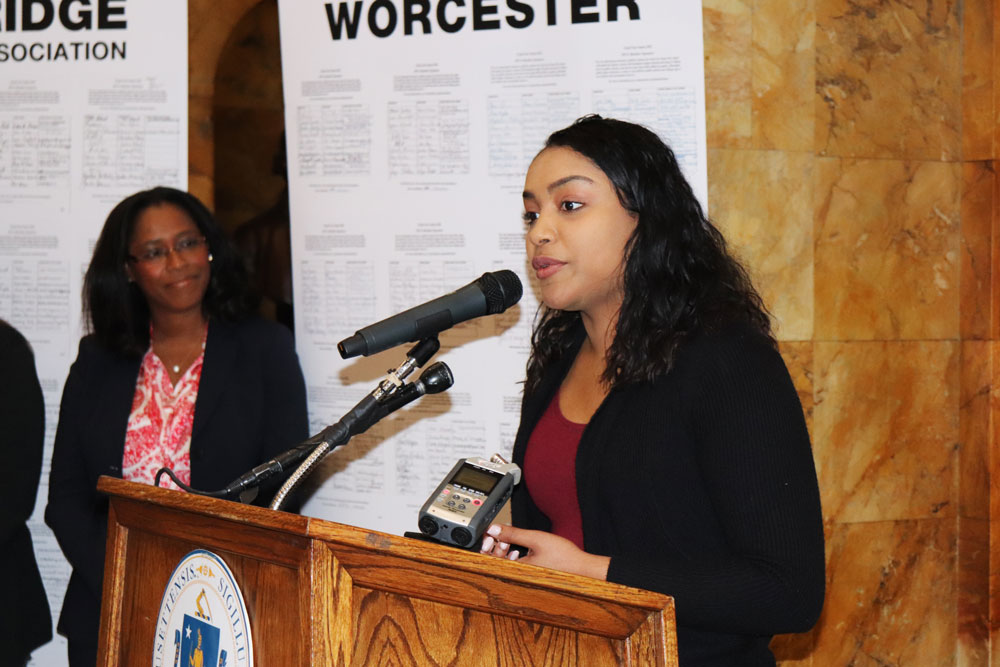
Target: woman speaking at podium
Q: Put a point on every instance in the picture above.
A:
(175, 373)
(662, 441)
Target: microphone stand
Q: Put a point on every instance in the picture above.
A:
(391, 394)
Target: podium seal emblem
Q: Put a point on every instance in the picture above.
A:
(203, 619)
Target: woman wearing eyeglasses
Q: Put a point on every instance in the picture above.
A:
(175, 373)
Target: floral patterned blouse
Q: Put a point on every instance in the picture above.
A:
(159, 425)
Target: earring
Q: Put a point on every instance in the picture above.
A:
(210, 258)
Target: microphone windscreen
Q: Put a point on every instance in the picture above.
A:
(502, 290)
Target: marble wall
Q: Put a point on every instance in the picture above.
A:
(852, 163)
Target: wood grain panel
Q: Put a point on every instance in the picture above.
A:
(275, 543)
(115, 557)
(395, 629)
(512, 589)
(319, 593)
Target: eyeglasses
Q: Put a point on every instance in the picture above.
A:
(184, 246)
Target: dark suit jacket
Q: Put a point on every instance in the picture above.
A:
(700, 484)
(251, 405)
(25, 621)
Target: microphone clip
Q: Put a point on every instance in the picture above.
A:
(416, 357)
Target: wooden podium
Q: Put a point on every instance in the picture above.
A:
(321, 593)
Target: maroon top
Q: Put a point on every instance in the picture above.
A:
(550, 471)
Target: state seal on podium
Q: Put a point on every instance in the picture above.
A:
(202, 620)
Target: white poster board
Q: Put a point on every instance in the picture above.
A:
(410, 126)
(93, 107)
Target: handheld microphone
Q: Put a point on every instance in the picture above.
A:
(435, 379)
(489, 294)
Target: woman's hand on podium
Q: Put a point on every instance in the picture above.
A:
(543, 549)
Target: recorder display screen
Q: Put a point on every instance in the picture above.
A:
(476, 479)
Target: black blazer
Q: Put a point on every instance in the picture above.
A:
(700, 485)
(25, 620)
(251, 405)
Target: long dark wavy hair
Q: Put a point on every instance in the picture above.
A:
(116, 310)
(679, 277)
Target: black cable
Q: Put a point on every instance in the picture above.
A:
(184, 487)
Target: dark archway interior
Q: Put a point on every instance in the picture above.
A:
(251, 196)
(248, 117)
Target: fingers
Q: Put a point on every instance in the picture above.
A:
(535, 547)
(497, 542)
(488, 543)
(505, 533)
(493, 544)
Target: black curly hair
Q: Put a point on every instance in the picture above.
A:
(117, 312)
(679, 277)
